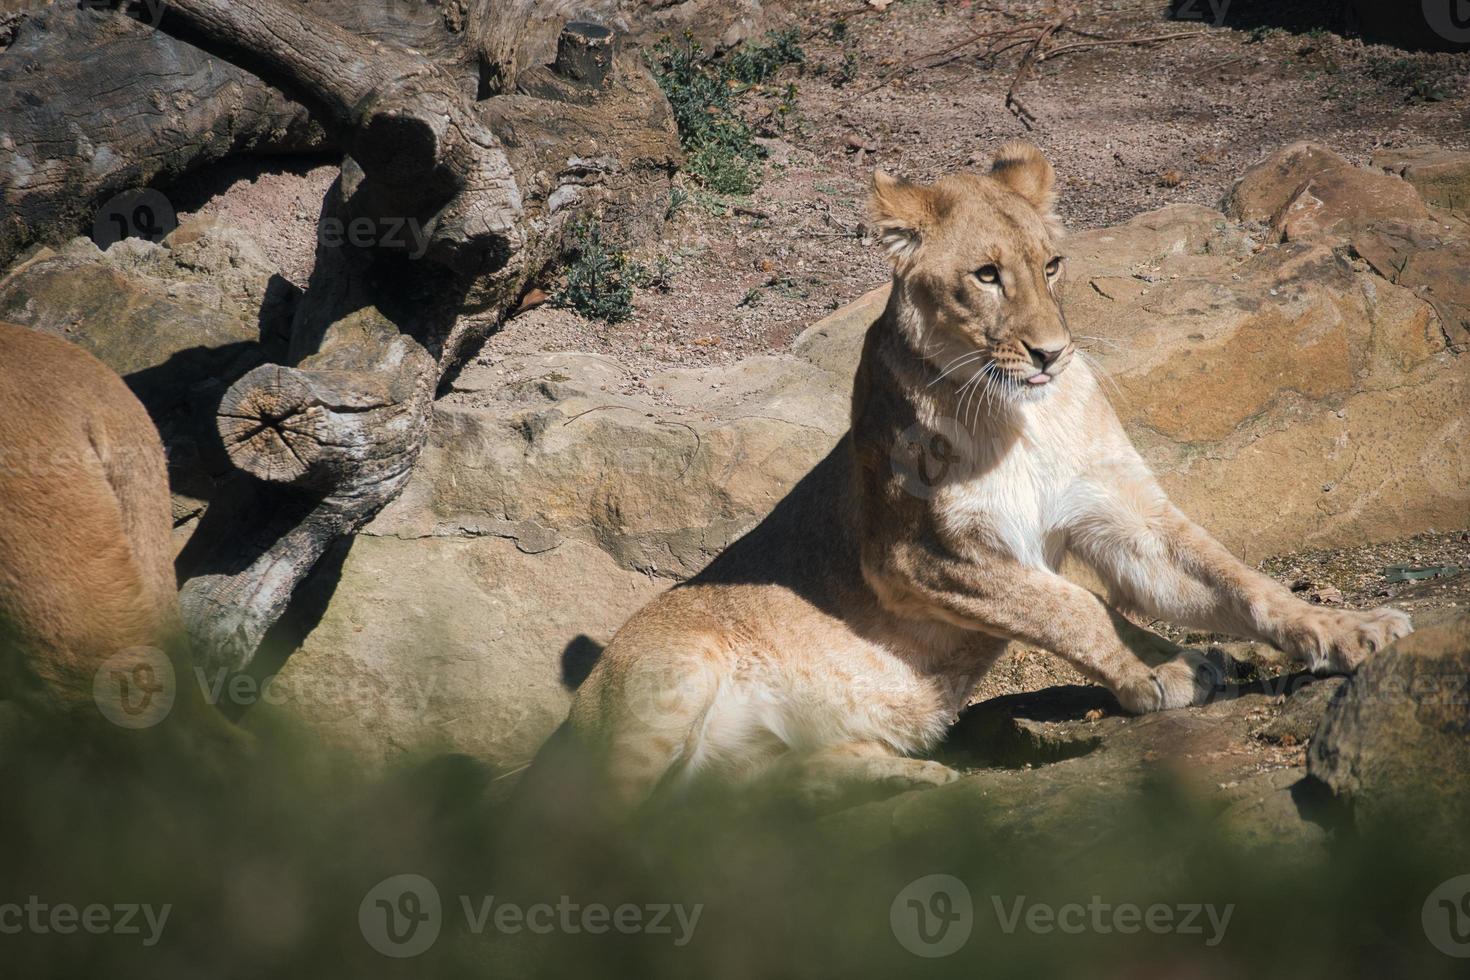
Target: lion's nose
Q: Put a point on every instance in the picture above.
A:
(1043, 359)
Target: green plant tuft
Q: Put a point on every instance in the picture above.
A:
(600, 279)
(704, 94)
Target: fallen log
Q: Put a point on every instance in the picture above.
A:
(488, 186)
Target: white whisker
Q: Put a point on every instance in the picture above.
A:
(1100, 372)
(963, 359)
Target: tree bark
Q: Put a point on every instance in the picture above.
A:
(488, 186)
(74, 130)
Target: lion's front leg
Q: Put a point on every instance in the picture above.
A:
(1000, 597)
(1158, 562)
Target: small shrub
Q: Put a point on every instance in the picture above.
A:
(600, 278)
(846, 72)
(703, 93)
(1419, 82)
(678, 198)
(758, 62)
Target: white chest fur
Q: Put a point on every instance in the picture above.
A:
(1020, 494)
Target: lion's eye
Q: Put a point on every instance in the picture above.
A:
(1054, 266)
(988, 274)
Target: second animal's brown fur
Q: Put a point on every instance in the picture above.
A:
(87, 583)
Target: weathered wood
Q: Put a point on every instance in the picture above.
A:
(333, 436)
(416, 135)
(328, 429)
(75, 130)
(584, 53)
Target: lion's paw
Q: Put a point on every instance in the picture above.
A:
(869, 779)
(1190, 677)
(1337, 641)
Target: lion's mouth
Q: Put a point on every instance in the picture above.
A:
(1039, 378)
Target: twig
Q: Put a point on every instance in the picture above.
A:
(913, 62)
(1017, 108)
(1084, 45)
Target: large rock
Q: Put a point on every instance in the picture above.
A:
(180, 321)
(1395, 742)
(545, 510)
(1305, 191)
(1442, 177)
(539, 448)
(451, 642)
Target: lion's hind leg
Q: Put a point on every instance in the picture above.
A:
(849, 773)
(645, 712)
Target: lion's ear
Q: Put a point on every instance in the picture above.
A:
(1021, 167)
(901, 213)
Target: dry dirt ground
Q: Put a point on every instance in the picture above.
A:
(1129, 127)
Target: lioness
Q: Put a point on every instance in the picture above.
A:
(90, 636)
(849, 628)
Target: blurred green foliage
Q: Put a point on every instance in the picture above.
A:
(266, 872)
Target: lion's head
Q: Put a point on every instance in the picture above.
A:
(975, 257)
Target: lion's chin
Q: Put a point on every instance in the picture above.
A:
(1032, 392)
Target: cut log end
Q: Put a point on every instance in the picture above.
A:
(268, 421)
(345, 432)
(584, 53)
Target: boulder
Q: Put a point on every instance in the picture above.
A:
(1442, 177)
(180, 321)
(540, 448)
(1395, 741)
(1305, 191)
(451, 642)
